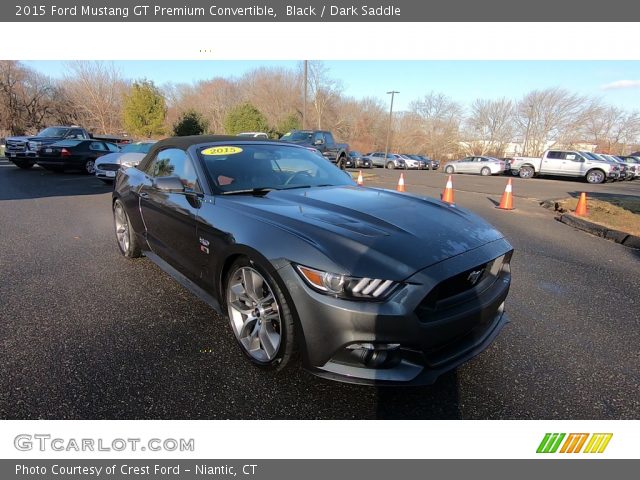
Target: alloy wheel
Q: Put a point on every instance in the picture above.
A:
(254, 314)
(122, 226)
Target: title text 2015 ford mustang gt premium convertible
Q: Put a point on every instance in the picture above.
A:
(369, 285)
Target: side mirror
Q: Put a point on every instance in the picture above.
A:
(169, 184)
(318, 142)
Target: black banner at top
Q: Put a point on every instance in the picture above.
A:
(321, 11)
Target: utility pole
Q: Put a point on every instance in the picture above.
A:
(386, 148)
(304, 100)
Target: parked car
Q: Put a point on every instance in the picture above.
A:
(617, 172)
(480, 165)
(74, 155)
(357, 160)
(391, 161)
(323, 141)
(432, 164)
(569, 163)
(23, 151)
(253, 135)
(413, 162)
(282, 243)
(129, 156)
(627, 169)
(635, 162)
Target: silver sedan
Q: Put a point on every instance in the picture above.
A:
(480, 165)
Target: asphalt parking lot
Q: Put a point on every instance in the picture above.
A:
(88, 334)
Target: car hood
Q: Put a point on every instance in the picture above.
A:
(35, 138)
(366, 231)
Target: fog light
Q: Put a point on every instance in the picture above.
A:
(374, 355)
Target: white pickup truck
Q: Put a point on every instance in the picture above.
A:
(568, 163)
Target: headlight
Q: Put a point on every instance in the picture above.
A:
(128, 164)
(34, 145)
(345, 286)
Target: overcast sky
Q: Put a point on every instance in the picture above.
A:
(617, 82)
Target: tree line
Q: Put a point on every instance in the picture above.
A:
(99, 97)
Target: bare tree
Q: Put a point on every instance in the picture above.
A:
(95, 90)
(548, 116)
(491, 126)
(439, 120)
(324, 90)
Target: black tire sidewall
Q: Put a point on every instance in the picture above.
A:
(287, 336)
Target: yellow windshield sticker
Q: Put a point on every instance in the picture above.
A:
(224, 150)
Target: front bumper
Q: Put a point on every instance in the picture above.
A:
(107, 172)
(423, 340)
(28, 155)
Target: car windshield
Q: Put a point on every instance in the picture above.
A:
(243, 168)
(137, 148)
(53, 132)
(355, 153)
(297, 136)
(589, 155)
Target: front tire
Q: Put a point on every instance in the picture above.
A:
(127, 241)
(595, 176)
(449, 170)
(259, 315)
(391, 165)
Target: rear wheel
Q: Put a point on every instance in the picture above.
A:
(391, 165)
(595, 176)
(260, 317)
(342, 163)
(526, 172)
(486, 171)
(127, 242)
(89, 167)
(449, 170)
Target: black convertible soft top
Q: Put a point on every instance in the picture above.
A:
(187, 141)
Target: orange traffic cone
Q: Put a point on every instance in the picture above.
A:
(360, 179)
(400, 186)
(506, 202)
(581, 209)
(447, 195)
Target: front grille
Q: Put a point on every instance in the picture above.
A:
(112, 167)
(455, 285)
(13, 146)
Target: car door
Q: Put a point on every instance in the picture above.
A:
(464, 165)
(552, 162)
(330, 147)
(170, 217)
(573, 165)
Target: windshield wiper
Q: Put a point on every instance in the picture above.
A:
(251, 191)
(308, 186)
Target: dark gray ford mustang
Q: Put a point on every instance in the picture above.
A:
(368, 285)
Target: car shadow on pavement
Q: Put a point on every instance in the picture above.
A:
(19, 184)
(439, 401)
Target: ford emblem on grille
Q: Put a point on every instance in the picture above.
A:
(474, 277)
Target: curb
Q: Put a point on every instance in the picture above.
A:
(623, 238)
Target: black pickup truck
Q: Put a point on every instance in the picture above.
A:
(321, 140)
(23, 151)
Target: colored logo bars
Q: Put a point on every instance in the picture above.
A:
(595, 442)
